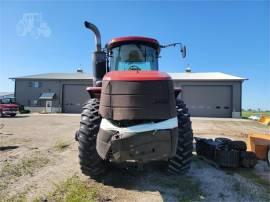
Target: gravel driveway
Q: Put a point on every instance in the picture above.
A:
(39, 151)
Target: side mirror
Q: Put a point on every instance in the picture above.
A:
(183, 51)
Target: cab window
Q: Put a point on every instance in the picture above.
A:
(133, 57)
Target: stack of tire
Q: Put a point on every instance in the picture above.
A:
(225, 152)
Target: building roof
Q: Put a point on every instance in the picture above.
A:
(58, 76)
(184, 76)
(6, 94)
(205, 76)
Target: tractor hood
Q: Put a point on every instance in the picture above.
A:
(137, 95)
(136, 76)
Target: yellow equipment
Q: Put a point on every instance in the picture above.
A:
(260, 144)
(265, 120)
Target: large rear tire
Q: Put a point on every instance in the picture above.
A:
(90, 162)
(180, 163)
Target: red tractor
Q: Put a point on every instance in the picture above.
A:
(133, 114)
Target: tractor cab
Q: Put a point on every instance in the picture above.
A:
(133, 53)
(126, 54)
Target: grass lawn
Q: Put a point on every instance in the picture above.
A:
(246, 114)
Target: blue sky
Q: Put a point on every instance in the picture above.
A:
(229, 37)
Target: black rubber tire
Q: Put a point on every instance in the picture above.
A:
(248, 159)
(238, 145)
(180, 163)
(227, 159)
(223, 140)
(90, 162)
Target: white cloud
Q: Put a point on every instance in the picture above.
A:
(31, 24)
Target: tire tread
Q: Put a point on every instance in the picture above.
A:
(90, 162)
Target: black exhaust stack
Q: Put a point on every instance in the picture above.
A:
(99, 56)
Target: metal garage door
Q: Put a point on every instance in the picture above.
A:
(208, 101)
(74, 96)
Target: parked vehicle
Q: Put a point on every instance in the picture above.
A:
(133, 113)
(8, 107)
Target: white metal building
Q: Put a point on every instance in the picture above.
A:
(211, 94)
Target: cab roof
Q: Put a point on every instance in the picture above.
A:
(133, 39)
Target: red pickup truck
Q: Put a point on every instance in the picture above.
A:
(8, 107)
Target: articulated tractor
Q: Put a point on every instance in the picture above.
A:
(133, 114)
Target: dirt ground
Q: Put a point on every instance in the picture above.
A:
(37, 152)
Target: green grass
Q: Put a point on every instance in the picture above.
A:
(249, 174)
(25, 166)
(262, 194)
(242, 189)
(187, 188)
(61, 145)
(73, 190)
(17, 197)
(246, 114)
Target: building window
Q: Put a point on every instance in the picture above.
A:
(32, 103)
(35, 84)
(35, 102)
